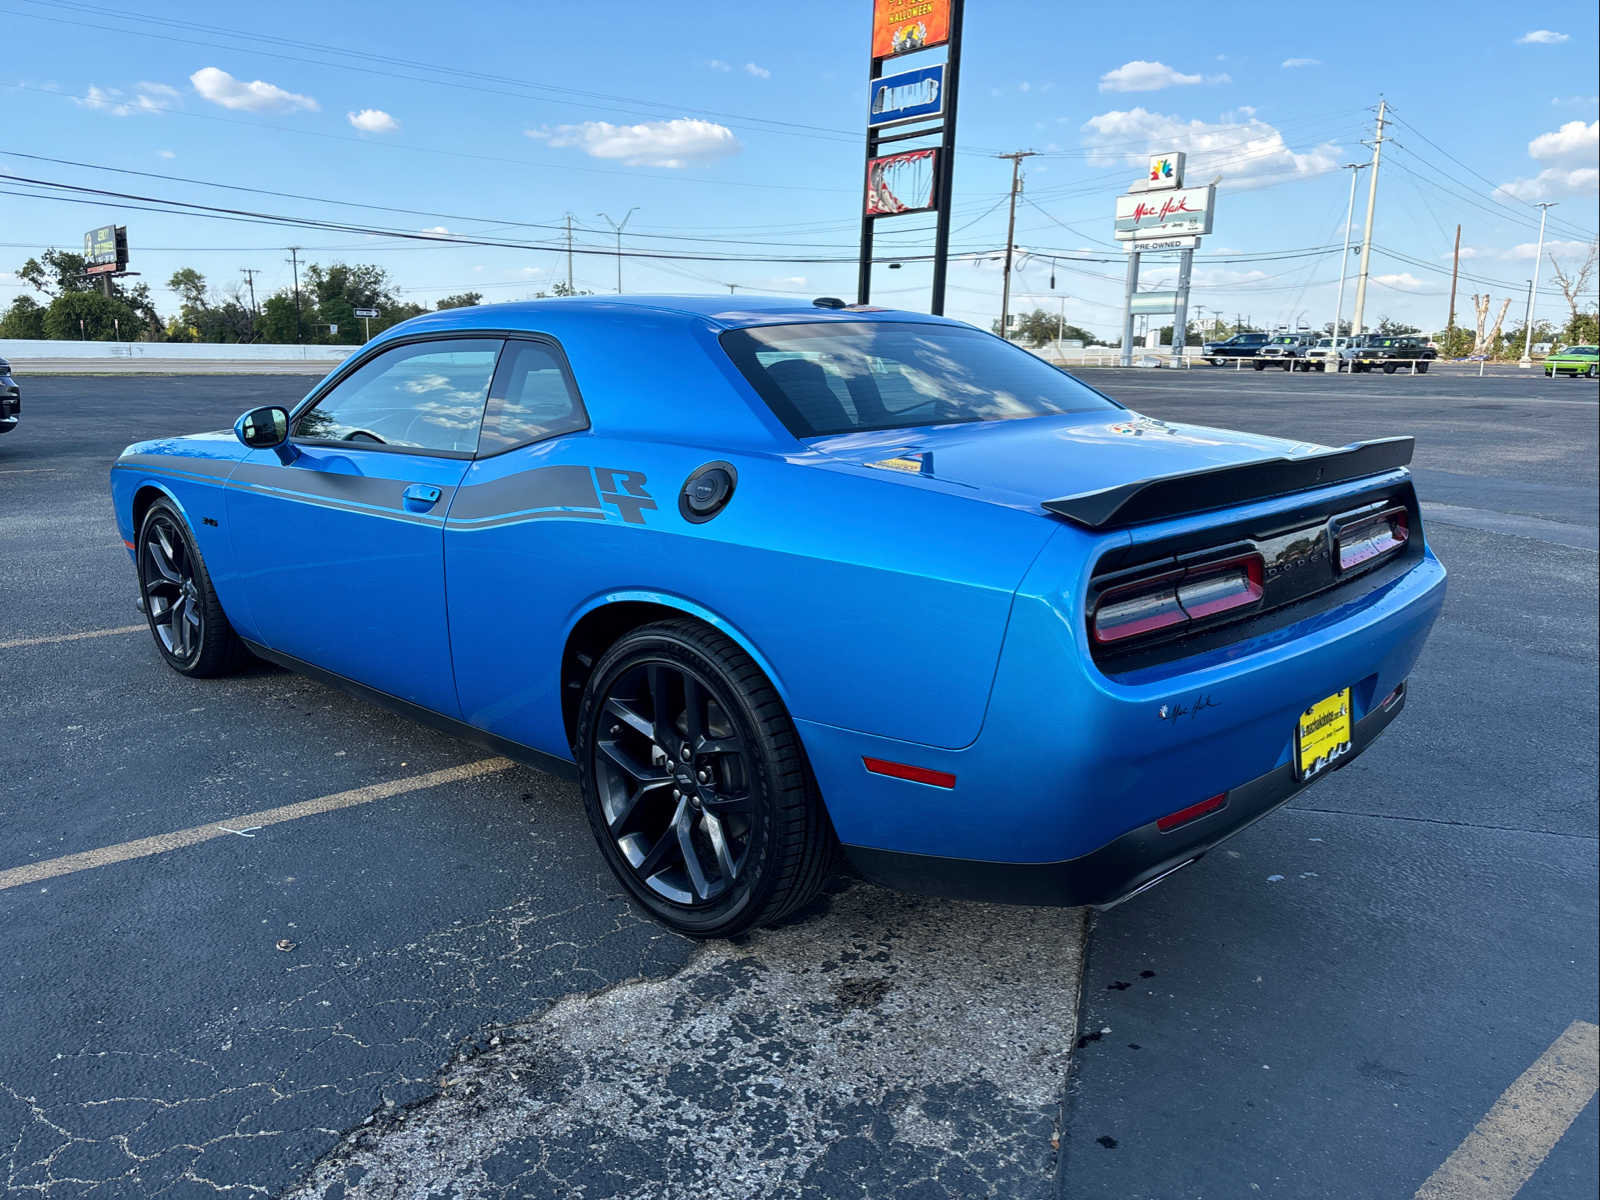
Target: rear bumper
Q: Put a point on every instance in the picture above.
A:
(1123, 866)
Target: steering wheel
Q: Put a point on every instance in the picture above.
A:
(363, 435)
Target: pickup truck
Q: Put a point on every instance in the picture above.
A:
(1327, 352)
(1240, 345)
(1373, 350)
(1286, 350)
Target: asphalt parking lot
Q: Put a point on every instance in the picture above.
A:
(426, 983)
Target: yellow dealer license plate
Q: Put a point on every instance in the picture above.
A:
(1323, 735)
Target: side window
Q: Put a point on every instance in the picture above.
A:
(531, 399)
(422, 396)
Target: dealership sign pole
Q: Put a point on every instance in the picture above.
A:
(900, 106)
(1159, 213)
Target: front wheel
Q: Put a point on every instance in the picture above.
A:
(1260, 366)
(696, 785)
(1591, 372)
(181, 606)
(1422, 368)
(1389, 368)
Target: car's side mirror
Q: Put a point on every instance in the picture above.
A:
(265, 428)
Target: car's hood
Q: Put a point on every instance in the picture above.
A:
(1026, 462)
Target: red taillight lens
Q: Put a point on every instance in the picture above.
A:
(1176, 598)
(1139, 608)
(1207, 591)
(1371, 538)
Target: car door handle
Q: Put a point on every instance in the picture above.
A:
(422, 496)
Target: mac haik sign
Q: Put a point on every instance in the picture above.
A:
(1164, 214)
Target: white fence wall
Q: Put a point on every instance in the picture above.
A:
(20, 351)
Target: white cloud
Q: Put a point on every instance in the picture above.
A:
(216, 85)
(759, 72)
(1244, 150)
(166, 154)
(1542, 37)
(1403, 282)
(1574, 101)
(1142, 76)
(1292, 63)
(145, 99)
(716, 64)
(677, 143)
(1526, 251)
(530, 272)
(373, 120)
(435, 229)
(1572, 138)
(1552, 181)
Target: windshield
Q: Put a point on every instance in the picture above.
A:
(1286, 341)
(841, 377)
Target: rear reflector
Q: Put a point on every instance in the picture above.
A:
(1371, 538)
(882, 766)
(1194, 812)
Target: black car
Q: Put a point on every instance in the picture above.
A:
(1240, 345)
(10, 398)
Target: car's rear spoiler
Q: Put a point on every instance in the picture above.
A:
(1170, 496)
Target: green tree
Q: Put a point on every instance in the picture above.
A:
(277, 324)
(1039, 327)
(461, 300)
(1391, 328)
(93, 317)
(57, 271)
(24, 319)
(1456, 343)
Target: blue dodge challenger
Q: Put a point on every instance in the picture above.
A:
(779, 580)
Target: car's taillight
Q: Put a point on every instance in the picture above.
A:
(1369, 538)
(1175, 598)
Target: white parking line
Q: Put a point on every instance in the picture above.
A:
(1507, 1146)
(246, 823)
(13, 643)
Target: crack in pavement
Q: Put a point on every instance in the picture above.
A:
(890, 1046)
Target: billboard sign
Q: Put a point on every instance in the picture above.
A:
(1166, 171)
(902, 183)
(105, 250)
(906, 26)
(1154, 302)
(1181, 211)
(908, 96)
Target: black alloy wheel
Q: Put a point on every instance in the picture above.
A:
(695, 783)
(185, 617)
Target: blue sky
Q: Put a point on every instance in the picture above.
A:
(736, 130)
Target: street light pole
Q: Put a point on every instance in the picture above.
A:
(1533, 286)
(1344, 255)
(619, 228)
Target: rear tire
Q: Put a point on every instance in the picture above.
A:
(1422, 368)
(1591, 372)
(1389, 368)
(696, 785)
(186, 619)
(1260, 366)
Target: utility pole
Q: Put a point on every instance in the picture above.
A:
(1355, 170)
(1455, 271)
(1533, 286)
(619, 229)
(569, 254)
(250, 274)
(731, 287)
(294, 261)
(1366, 237)
(1016, 158)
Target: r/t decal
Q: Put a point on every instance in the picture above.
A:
(624, 491)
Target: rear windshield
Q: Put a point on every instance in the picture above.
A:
(841, 377)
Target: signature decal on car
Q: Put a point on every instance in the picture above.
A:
(1177, 710)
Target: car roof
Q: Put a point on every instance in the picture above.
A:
(716, 312)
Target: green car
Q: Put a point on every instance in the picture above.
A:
(1575, 361)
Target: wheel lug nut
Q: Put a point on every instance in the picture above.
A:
(686, 752)
(676, 794)
(704, 777)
